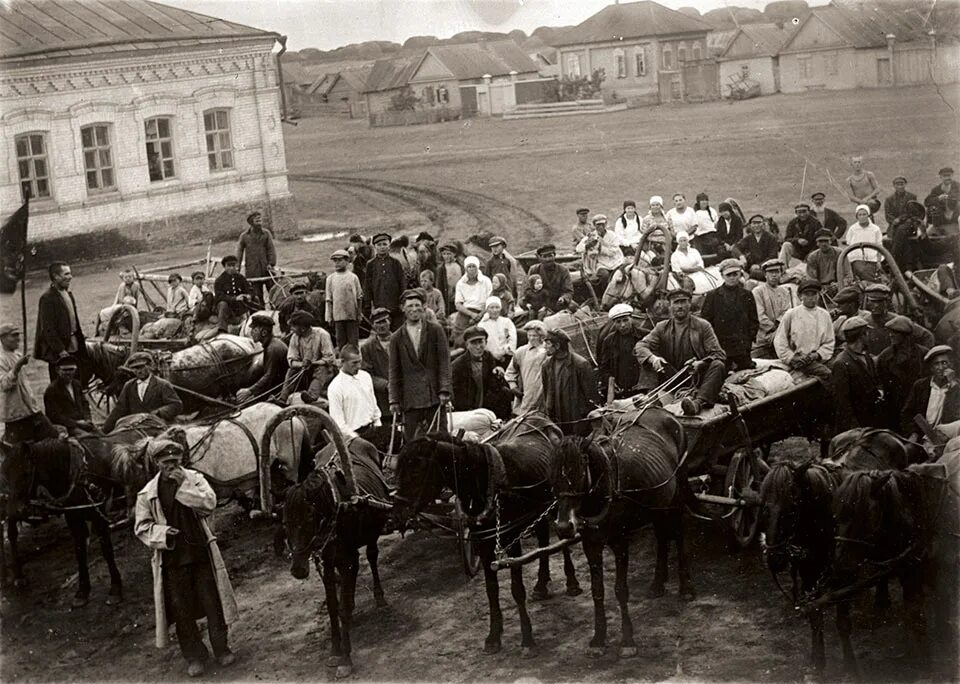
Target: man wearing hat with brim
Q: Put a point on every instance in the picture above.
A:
(296, 301)
(448, 273)
(895, 205)
(773, 300)
(758, 245)
(557, 282)
(619, 370)
(232, 293)
(274, 364)
(524, 374)
(582, 227)
(934, 399)
(145, 393)
(732, 313)
(385, 279)
(822, 263)
(419, 379)
(828, 218)
(876, 300)
(477, 380)
(310, 359)
(847, 304)
(64, 401)
(899, 366)
(344, 300)
(501, 261)
(601, 253)
(946, 196)
(800, 236)
(190, 579)
(375, 358)
(685, 340)
(906, 234)
(20, 410)
(857, 397)
(58, 324)
(805, 339)
(256, 246)
(569, 385)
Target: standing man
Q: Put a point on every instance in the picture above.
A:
(619, 370)
(344, 299)
(822, 262)
(857, 397)
(310, 350)
(231, 292)
(862, 186)
(506, 264)
(899, 366)
(189, 576)
(470, 297)
(64, 401)
(934, 397)
(805, 339)
(801, 235)
(256, 244)
(732, 312)
(847, 304)
(773, 300)
(601, 253)
(758, 245)
(827, 217)
(274, 360)
(19, 408)
(895, 205)
(946, 196)
(419, 367)
(353, 404)
(557, 283)
(385, 280)
(375, 355)
(524, 374)
(145, 393)
(478, 381)
(569, 386)
(582, 227)
(58, 325)
(685, 340)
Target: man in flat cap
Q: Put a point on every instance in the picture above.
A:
(827, 217)
(296, 301)
(274, 361)
(877, 303)
(524, 374)
(895, 205)
(569, 385)
(732, 312)
(934, 399)
(256, 245)
(477, 380)
(419, 367)
(582, 227)
(772, 300)
(448, 273)
(58, 325)
(190, 580)
(344, 300)
(847, 301)
(504, 263)
(232, 293)
(899, 366)
(800, 236)
(145, 393)
(375, 357)
(822, 263)
(805, 340)
(64, 401)
(310, 357)
(557, 283)
(857, 397)
(619, 370)
(385, 279)
(682, 340)
(20, 410)
(601, 253)
(945, 195)
(758, 245)
(904, 233)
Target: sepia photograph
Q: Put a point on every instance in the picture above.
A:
(520, 341)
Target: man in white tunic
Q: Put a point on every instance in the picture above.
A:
(773, 301)
(523, 374)
(804, 341)
(353, 403)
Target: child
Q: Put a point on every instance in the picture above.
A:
(534, 297)
(343, 299)
(178, 301)
(433, 299)
(501, 288)
(199, 279)
(129, 290)
(501, 333)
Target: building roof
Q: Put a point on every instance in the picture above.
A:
(766, 39)
(475, 60)
(45, 28)
(864, 24)
(632, 20)
(718, 41)
(389, 74)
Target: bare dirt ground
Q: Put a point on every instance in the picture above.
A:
(522, 179)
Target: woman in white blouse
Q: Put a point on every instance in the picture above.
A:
(864, 262)
(685, 259)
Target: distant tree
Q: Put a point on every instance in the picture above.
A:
(550, 35)
(310, 55)
(571, 88)
(420, 42)
(785, 11)
(405, 100)
(517, 36)
(690, 11)
(723, 17)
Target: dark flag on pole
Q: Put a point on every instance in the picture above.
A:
(13, 247)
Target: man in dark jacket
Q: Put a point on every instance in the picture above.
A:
(384, 280)
(557, 283)
(858, 400)
(935, 398)
(684, 339)
(619, 370)
(375, 357)
(758, 245)
(231, 293)
(58, 325)
(145, 393)
(296, 301)
(419, 367)
(64, 401)
(732, 311)
(945, 196)
(876, 300)
(896, 204)
(256, 244)
(827, 217)
(569, 385)
(274, 361)
(899, 366)
(477, 379)
(800, 236)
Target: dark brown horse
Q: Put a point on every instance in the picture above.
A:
(503, 490)
(320, 522)
(609, 485)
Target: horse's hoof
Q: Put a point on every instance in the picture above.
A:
(79, 601)
(491, 648)
(528, 651)
(113, 600)
(687, 593)
(628, 651)
(597, 651)
(574, 590)
(333, 661)
(656, 591)
(540, 594)
(344, 671)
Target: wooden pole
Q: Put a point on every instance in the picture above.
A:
(531, 556)
(23, 303)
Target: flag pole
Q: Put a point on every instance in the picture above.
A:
(23, 284)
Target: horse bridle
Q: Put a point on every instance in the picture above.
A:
(592, 485)
(314, 547)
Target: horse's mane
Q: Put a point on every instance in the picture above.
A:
(568, 461)
(778, 485)
(127, 459)
(855, 492)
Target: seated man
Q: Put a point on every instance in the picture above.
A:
(847, 304)
(478, 382)
(274, 361)
(904, 232)
(805, 341)
(773, 300)
(145, 393)
(732, 313)
(822, 263)
(232, 293)
(353, 405)
(876, 300)
(64, 401)
(619, 370)
(758, 245)
(685, 339)
(934, 398)
(296, 301)
(309, 357)
(601, 253)
(800, 237)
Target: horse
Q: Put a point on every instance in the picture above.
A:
(502, 491)
(608, 486)
(320, 521)
(874, 449)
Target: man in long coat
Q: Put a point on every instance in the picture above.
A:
(477, 379)
(557, 283)
(569, 385)
(256, 244)
(375, 357)
(732, 312)
(801, 235)
(419, 367)
(190, 580)
(58, 325)
(145, 393)
(899, 366)
(384, 280)
(857, 397)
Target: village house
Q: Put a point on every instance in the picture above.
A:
(134, 122)
(752, 55)
(649, 54)
(867, 45)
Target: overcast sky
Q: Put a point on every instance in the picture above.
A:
(327, 24)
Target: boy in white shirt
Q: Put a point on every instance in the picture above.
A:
(501, 332)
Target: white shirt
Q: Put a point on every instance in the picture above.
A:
(680, 261)
(686, 221)
(196, 294)
(605, 253)
(857, 234)
(628, 230)
(473, 295)
(501, 335)
(414, 330)
(352, 401)
(142, 387)
(938, 395)
(706, 220)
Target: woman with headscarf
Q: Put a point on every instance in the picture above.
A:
(706, 240)
(656, 218)
(627, 227)
(729, 226)
(685, 259)
(865, 262)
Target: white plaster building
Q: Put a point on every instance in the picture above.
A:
(130, 122)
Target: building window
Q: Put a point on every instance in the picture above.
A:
(830, 64)
(32, 164)
(681, 53)
(640, 60)
(804, 67)
(97, 158)
(573, 65)
(620, 58)
(697, 52)
(443, 95)
(216, 124)
(160, 148)
(667, 58)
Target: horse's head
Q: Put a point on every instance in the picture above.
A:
(575, 479)
(780, 494)
(309, 511)
(419, 476)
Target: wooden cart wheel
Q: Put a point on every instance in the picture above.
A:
(101, 403)
(468, 552)
(744, 520)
